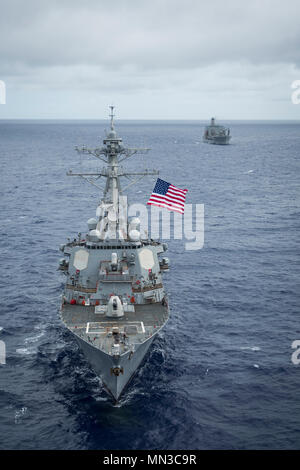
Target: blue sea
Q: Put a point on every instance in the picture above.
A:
(220, 375)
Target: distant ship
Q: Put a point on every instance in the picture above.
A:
(114, 301)
(214, 134)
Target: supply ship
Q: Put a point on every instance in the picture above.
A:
(216, 134)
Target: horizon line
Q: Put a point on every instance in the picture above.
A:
(146, 119)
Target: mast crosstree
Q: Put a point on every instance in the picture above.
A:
(112, 153)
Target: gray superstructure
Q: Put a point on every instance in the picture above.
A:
(216, 134)
(114, 301)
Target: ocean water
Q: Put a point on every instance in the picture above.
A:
(220, 375)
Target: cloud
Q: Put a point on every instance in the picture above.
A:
(148, 35)
(171, 49)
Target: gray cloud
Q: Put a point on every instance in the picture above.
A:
(156, 34)
(214, 52)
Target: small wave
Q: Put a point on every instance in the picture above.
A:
(251, 348)
(128, 397)
(31, 342)
(26, 351)
(19, 414)
(34, 339)
(102, 399)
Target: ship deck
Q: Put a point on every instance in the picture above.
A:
(97, 329)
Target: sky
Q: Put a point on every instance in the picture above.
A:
(158, 59)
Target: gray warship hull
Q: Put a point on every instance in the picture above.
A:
(102, 364)
(218, 140)
(94, 345)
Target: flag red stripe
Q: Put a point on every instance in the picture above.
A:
(163, 201)
(163, 205)
(173, 188)
(169, 198)
(178, 189)
(164, 198)
(179, 198)
(175, 193)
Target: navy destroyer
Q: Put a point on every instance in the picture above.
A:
(216, 134)
(114, 302)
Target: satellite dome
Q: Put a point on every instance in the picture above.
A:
(92, 223)
(134, 235)
(94, 235)
(112, 135)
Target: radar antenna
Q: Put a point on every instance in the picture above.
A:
(112, 153)
(112, 117)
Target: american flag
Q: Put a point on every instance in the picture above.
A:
(168, 196)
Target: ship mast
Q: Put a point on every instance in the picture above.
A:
(112, 153)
